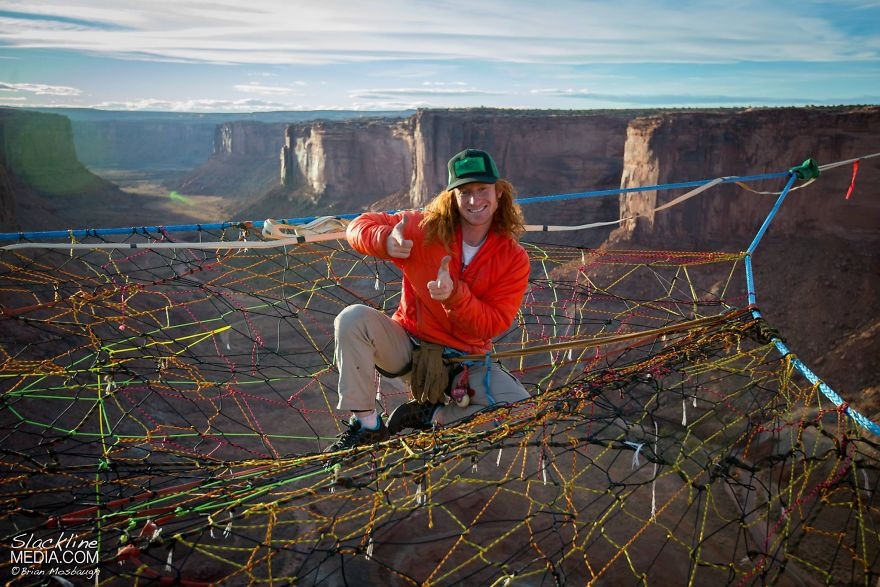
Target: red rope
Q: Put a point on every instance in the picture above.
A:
(852, 183)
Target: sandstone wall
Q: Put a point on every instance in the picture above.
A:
(346, 166)
(42, 179)
(243, 164)
(37, 149)
(143, 144)
(249, 139)
(541, 152)
(674, 147)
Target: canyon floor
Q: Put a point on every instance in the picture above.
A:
(160, 205)
(148, 202)
(166, 206)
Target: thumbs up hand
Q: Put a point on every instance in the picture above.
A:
(396, 245)
(441, 288)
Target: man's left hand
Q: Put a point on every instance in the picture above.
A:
(442, 287)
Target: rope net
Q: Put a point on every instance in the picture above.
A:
(170, 406)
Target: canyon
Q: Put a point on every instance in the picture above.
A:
(817, 270)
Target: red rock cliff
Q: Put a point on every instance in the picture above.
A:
(674, 147)
(244, 163)
(346, 166)
(38, 149)
(541, 152)
(41, 173)
(250, 139)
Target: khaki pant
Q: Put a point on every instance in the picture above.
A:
(367, 339)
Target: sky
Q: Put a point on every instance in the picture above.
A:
(269, 55)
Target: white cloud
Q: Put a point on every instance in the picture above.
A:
(568, 92)
(194, 105)
(422, 91)
(40, 89)
(264, 90)
(573, 31)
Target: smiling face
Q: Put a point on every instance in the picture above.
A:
(477, 203)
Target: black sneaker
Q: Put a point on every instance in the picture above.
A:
(357, 435)
(412, 414)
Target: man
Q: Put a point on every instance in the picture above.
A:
(464, 277)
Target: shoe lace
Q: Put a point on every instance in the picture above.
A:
(349, 435)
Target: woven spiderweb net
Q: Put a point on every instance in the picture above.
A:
(172, 404)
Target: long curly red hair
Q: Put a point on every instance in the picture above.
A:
(442, 217)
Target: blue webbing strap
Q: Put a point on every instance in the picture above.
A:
(807, 170)
(487, 361)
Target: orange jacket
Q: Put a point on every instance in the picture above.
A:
(484, 300)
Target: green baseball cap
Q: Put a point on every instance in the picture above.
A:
(471, 166)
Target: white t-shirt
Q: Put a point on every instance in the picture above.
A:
(467, 253)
